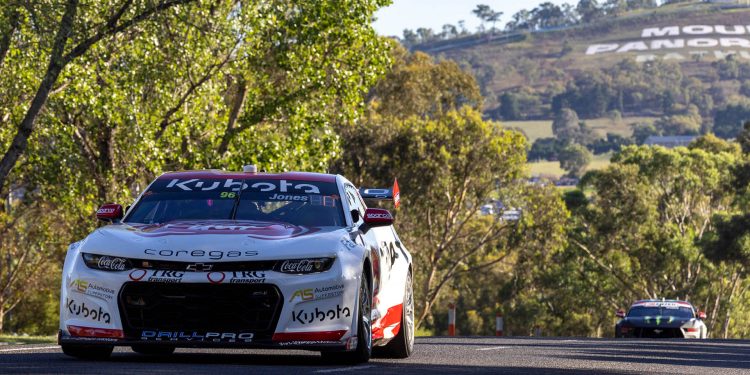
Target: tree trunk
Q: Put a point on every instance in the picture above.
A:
(2, 315)
(728, 315)
(56, 65)
(237, 103)
(7, 35)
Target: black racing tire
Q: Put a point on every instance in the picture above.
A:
(153, 349)
(402, 346)
(363, 352)
(90, 352)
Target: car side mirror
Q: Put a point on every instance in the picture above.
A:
(355, 216)
(620, 313)
(701, 315)
(109, 212)
(376, 217)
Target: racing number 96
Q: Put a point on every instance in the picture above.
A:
(228, 194)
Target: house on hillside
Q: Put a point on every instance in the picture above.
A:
(670, 141)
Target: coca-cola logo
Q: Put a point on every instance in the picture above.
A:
(297, 266)
(113, 264)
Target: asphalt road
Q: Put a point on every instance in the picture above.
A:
(435, 355)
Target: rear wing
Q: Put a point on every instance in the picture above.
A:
(383, 193)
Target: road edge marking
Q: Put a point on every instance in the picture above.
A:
(494, 348)
(25, 349)
(344, 369)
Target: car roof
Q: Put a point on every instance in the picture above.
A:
(217, 174)
(656, 302)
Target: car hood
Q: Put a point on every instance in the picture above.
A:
(214, 241)
(656, 321)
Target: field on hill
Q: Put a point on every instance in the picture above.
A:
(552, 168)
(543, 128)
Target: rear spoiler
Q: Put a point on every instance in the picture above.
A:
(383, 193)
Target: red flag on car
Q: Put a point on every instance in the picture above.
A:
(396, 194)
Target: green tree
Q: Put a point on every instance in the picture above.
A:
(203, 85)
(566, 126)
(574, 159)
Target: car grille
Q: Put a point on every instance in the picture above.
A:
(657, 332)
(200, 307)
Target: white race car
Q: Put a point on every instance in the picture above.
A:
(241, 260)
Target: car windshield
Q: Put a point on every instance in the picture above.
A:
(663, 310)
(305, 203)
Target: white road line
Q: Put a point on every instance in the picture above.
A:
(27, 349)
(493, 348)
(353, 368)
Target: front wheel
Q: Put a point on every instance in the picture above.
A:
(91, 352)
(364, 329)
(402, 345)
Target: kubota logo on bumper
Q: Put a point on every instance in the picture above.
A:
(305, 317)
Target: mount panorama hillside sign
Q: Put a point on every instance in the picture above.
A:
(683, 42)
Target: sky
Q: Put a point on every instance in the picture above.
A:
(413, 14)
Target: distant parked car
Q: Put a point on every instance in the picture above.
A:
(661, 319)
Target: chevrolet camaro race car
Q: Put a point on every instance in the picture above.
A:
(241, 260)
(661, 319)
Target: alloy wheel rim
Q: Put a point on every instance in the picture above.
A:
(409, 313)
(365, 303)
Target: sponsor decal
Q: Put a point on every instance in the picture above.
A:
(105, 211)
(377, 215)
(96, 314)
(306, 317)
(210, 254)
(260, 231)
(157, 276)
(297, 266)
(308, 342)
(137, 275)
(282, 186)
(311, 294)
(283, 197)
(112, 263)
(241, 337)
(216, 277)
(248, 277)
(97, 334)
(349, 244)
(237, 277)
(92, 289)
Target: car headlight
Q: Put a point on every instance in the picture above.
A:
(304, 266)
(106, 262)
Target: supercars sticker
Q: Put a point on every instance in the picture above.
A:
(80, 309)
(306, 316)
(148, 335)
(92, 289)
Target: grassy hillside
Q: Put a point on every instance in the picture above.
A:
(545, 62)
